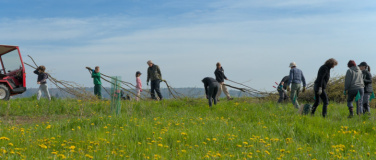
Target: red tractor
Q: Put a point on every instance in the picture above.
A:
(12, 72)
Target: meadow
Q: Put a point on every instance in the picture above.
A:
(245, 128)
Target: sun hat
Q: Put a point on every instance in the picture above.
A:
(292, 64)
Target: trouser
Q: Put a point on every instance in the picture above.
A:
(212, 93)
(98, 90)
(359, 103)
(366, 103)
(222, 87)
(324, 98)
(155, 84)
(138, 93)
(282, 95)
(295, 90)
(43, 88)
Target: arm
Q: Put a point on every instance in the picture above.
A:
(368, 78)
(148, 77)
(347, 80)
(36, 72)
(291, 76)
(159, 72)
(206, 88)
(303, 79)
(224, 76)
(45, 77)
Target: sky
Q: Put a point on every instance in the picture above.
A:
(255, 41)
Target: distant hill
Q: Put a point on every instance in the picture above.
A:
(189, 92)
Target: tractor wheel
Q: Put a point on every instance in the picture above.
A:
(4, 92)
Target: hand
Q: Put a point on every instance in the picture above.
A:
(319, 91)
(344, 92)
(147, 83)
(226, 79)
(222, 83)
(288, 88)
(140, 90)
(304, 88)
(88, 68)
(207, 97)
(38, 82)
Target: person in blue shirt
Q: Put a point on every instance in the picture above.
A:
(296, 79)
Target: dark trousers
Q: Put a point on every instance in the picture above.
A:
(212, 93)
(98, 90)
(155, 86)
(324, 97)
(366, 102)
(359, 103)
(282, 95)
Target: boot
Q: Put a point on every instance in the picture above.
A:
(351, 113)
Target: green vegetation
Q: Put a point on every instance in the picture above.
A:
(180, 129)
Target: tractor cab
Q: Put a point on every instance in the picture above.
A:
(12, 72)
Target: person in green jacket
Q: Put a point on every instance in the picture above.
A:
(96, 75)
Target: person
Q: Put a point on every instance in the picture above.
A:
(42, 81)
(296, 77)
(138, 86)
(320, 84)
(354, 87)
(220, 77)
(155, 76)
(368, 89)
(282, 89)
(211, 88)
(96, 75)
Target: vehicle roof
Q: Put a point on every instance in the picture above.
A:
(5, 49)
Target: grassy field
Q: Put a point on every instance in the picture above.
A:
(180, 129)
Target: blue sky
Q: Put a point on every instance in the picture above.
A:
(254, 40)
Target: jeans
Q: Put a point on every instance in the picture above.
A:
(43, 88)
(295, 90)
(359, 103)
(324, 98)
(155, 86)
(282, 95)
(98, 90)
(366, 103)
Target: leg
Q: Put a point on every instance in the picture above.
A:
(281, 96)
(366, 102)
(298, 88)
(359, 103)
(225, 91)
(152, 88)
(350, 99)
(219, 91)
(214, 96)
(210, 95)
(157, 89)
(317, 100)
(286, 97)
(325, 100)
(138, 93)
(46, 92)
(39, 92)
(100, 91)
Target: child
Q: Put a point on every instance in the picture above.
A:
(42, 81)
(138, 86)
(96, 75)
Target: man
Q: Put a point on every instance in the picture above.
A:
(211, 88)
(282, 89)
(155, 76)
(96, 75)
(296, 77)
(220, 77)
(42, 81)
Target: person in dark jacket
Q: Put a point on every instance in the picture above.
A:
(322, 80)
(220, 77)
(211, 88)
(155, 76)
(368, 89)
(42, 81)
(282, 89)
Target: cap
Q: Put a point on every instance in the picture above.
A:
(292, 64)
(363, 64)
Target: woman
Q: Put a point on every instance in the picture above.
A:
(368, 89)
(354, 86)
(138, 86)
(322, 80)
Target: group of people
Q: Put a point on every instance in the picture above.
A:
(358, 86)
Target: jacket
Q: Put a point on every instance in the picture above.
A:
(208, 81)
(96, 77)
(296, 76)
(354, 79)
(285, 80)
(138, 82)
(42, 77)
(154, 73)
(367, 78)
(323, 76)
(220, 75)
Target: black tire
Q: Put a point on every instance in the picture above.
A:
(4, 92)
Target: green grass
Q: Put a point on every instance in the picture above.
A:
(180, 129)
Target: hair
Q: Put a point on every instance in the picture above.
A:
(96, 67)
(218, 64)
(42, 68)
(149, 62)
(137, 74)
(331, 62)
(369, 68)
(351, 63)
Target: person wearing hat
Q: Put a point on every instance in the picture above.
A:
(368, 89)
(354, 87)
(296, 78)
(320, 84)
(282, 89)
(211, 88)
(138, 85)
(155, 76)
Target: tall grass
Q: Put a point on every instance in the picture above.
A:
(180, 129)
